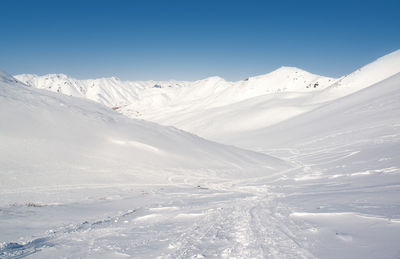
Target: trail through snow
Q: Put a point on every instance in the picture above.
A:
(268, 217)
(228, 220)
(75, 180)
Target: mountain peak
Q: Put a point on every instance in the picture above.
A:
(213, 78)
(286, 72)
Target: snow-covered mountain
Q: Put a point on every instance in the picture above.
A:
(111, 92)
(199, 107)
(215, 91)
(218, 112)
(214, 108)
(80, 180)
(51, 139)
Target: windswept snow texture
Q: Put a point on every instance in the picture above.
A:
(78, 180)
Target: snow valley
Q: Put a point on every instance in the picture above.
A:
(283, 165)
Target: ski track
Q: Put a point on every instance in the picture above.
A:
(215, 219)
(230, 222)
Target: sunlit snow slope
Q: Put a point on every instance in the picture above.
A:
(210, 107)
(345, 189)
(366, 76)
(339, 199)
(216, 109)
(48, 139)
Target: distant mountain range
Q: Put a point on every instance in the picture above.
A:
(215, 108)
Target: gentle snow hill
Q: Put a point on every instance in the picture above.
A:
(368, 113)
(355, 135)
(47, 139)
(345, 187)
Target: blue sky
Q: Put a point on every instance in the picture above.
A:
(188, 40)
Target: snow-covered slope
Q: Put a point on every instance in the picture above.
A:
(341, 198)
(111, 91)
(210, 107)
(345, 189)
(374, 110)
(51, 139)
(381, 69)
(216, 109)
(145, 95)
(257, 109)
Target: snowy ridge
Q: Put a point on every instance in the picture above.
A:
(111, 91)
(381, 69)
(214, 90)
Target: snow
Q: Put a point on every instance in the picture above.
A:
(343, 230)
(321, 180)
(210, 107)
(365, 76)
(67, 141)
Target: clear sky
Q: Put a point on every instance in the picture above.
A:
(189, 40)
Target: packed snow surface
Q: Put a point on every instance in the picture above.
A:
(322, 179)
